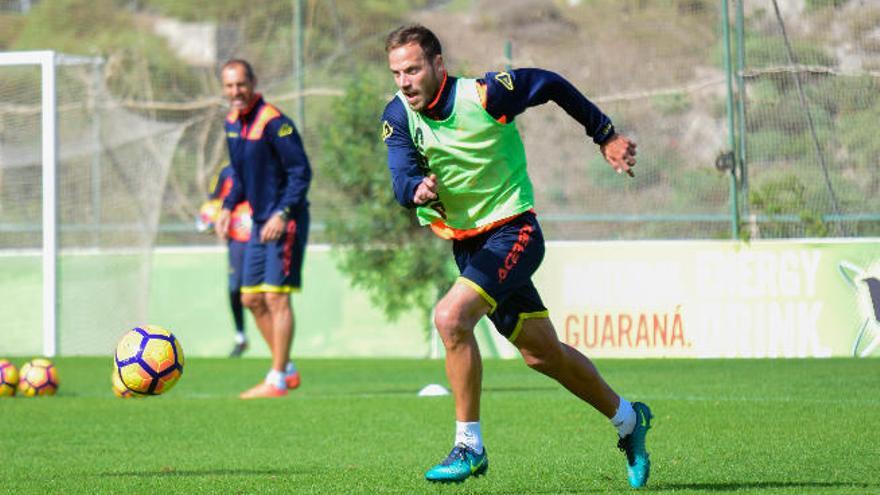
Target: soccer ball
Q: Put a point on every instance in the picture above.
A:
(8, 378)
(119, 389)
(149, 360)
(241, 222)
(38, 377)
(208, 215)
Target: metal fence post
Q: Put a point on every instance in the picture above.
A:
(728, 69)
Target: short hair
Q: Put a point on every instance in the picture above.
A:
(248, 70)
(414, 33)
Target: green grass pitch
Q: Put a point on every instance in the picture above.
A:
(357, 426)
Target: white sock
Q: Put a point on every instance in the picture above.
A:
(624, 419)
(240, 338)
(276, 378)
(468, 433)
(290, 369)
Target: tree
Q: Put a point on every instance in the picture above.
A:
(787, 195)
(377, 243)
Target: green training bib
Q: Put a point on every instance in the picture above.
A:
(480, 163)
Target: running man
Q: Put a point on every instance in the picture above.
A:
(455, 155)
(273, 175)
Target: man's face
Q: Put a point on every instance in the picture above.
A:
(236, 87)
(417, 77)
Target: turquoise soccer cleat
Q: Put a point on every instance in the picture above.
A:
(460, 464)
(638, 462)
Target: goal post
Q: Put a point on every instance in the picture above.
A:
(83, 174)
(45, 59)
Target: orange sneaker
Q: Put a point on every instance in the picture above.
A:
(292, 380)
(263, 391)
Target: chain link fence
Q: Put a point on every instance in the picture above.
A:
(809, 151)
(788, 107)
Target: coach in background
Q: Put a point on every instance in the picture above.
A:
(456, 156)
(273, 175)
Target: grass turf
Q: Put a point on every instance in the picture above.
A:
(357, 426)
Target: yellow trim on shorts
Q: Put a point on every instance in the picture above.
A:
(473, 285)
(522, 318)
(256, 289)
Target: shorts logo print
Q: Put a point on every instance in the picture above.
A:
(288, 246)
(525, 236)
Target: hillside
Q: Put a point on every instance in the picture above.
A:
(656, 67)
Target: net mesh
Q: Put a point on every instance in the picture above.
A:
(811, 84)
(20, 216)
(803, 103)
(111, 176)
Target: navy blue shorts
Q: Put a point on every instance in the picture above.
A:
(236, 263)
(276, 266)
(499, 264)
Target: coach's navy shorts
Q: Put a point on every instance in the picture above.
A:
(276, 266)
(499, 265)
(236, 263)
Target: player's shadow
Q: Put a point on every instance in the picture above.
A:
(409, 391)
(522, 388)
(757, 485)
(170, 472)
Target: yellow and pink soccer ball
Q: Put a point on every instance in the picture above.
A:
(38, 377)
(208, 213)
(8, 378)
(241, 222)
(149, 360)
(119, 389)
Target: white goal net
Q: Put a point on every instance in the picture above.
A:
(110, 169)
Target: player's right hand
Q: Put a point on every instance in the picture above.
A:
(426, 190)
(221, 226)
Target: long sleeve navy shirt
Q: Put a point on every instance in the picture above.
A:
(267, 154)
(508, 94)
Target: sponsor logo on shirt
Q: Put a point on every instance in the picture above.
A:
(387, 130)
(285, 130)
(505, 80)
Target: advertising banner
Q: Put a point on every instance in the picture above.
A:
(712, 299)
(700, 299)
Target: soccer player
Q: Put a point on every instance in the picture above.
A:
(456, 157)
(237, 236)
(273, 174)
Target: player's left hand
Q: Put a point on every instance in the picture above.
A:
(273, 229)
(620, 152)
